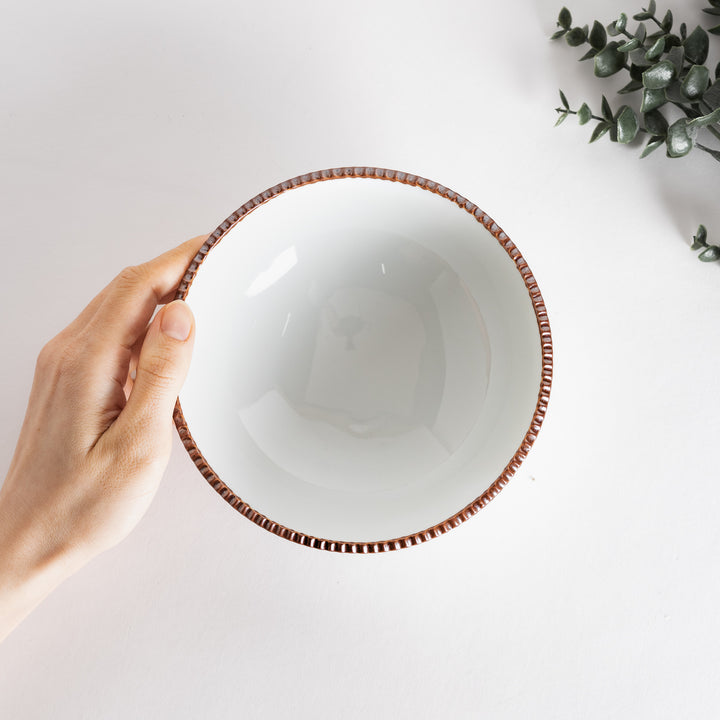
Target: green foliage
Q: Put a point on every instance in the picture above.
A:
(584, 114)
(600, 129)
(656, 49)
(655, 123)
(565, 19)
(679, 139)
(598, 36)
(653, 144)
(705, 120)
(659, 76)
(669, 68)
(652, 99)
(696, 82)
(576, 37)
(709, 252)
(609, 60)
(627, 124)
(697, 46)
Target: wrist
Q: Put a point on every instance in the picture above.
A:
(31, 565)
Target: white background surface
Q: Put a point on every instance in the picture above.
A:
(589, 588)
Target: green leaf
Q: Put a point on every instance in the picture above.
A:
(679, 141)
(674, 94)
(653, 144)
(677, 57)
(636, 71)
(683, 31)
(651, 8)
(655, 123)
(621, 22)
(598, 36)
(656, 49)
(710, 254)
(563, 117)
(695, 82)
(715, 3)
(705, 120)
(641, 32)
(712, 11)
(667, 21)
(584, 114)
(557, 34)
(575, 37)
(609, 61)
(659, 75)
(714, 30)
(564, 100)
(652, 99)
(627, 125)
(629, 45)
(697, 46)
(612, 30)
(591, 53)
(700, 237)
(711, 96)
(642, 16)
(638, 63)
(564, 19)
(632, 86)
(717, 70)
(600, 129)
(607, 112)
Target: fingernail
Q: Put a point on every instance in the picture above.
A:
(176, 321)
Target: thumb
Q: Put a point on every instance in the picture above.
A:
(162, 366)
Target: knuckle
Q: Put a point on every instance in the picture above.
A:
(58, 355)
(131, 276)
(48, 354)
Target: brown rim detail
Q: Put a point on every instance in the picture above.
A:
(546, 378)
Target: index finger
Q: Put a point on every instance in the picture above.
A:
(122, 311)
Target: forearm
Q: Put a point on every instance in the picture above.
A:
(97, 431)
(30, 567)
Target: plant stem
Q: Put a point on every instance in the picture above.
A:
(710, 127)
(657, 22)
(714, 132)
(688, 112)
(710, 151)
(567, 111)
(575, 112)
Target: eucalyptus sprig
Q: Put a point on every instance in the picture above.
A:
(709, 252)
(678, 100)
(668, 68)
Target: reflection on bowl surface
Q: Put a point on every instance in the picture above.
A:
(374, 365)
(367, 359)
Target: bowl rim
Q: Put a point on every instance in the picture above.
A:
(359, 547)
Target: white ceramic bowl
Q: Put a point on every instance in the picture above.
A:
(372, 360)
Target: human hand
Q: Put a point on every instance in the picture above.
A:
(95, 442)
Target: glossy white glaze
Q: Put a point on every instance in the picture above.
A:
(367, 359)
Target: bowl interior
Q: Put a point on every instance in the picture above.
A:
(367, 359)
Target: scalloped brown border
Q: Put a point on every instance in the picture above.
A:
(543, 396)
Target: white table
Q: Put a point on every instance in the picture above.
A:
(589, 588)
